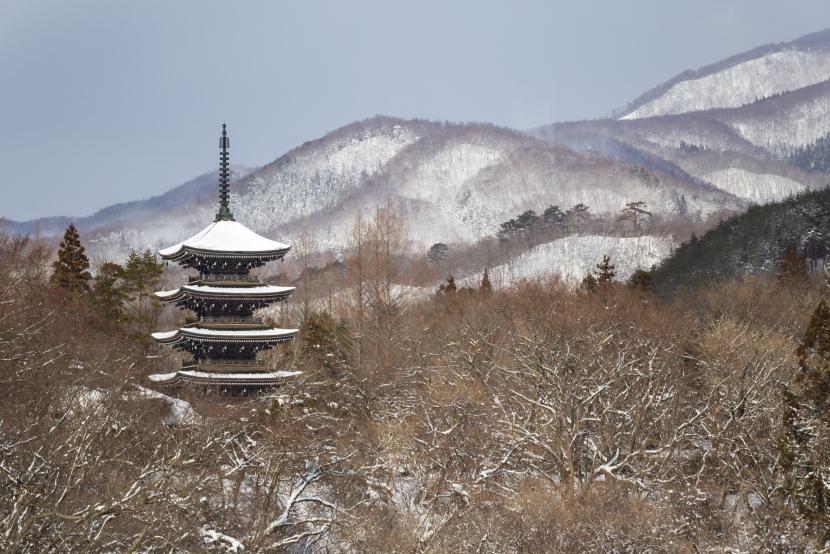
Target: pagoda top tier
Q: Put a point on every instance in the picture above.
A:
(223, 239)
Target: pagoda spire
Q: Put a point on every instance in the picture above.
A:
(224, 213)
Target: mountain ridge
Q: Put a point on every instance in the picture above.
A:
(805, 43)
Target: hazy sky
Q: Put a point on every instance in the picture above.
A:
(107, 101)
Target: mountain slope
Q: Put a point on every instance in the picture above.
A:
(457, 183)
(450, 182)
(750, 243)
(743, 151)
(742, 79)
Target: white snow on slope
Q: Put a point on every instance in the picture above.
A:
(443, 182)
(314, 181)
(741, 84)
(449, 183)
(571, 258)
(786, 127)
(440, 178)
(759, 188)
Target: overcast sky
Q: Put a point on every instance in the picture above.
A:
(107, 101)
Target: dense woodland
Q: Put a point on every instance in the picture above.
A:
(752, 242)
(532, 419)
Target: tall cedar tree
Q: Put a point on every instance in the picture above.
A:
(606, 273)
(806, 438)
(71, 269)
(793, 269)
(486, 286)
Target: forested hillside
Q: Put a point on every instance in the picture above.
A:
(750, 243)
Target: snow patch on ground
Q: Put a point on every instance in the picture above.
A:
(571, 258)
(181, 412)
(215, 540)
(85, 398)
(741, 84)
(755, 187)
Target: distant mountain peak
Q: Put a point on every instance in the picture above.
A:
(740, 79)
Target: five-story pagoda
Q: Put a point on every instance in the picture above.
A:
(224, 337)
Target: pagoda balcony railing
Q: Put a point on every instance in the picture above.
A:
(205, 277)
(228, 319)
(215, 364)
(233, 320)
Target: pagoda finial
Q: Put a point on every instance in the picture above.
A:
(224, 213)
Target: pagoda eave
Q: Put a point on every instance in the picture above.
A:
(186, 252)
(212, 336)
(259, 379)
(261, 293)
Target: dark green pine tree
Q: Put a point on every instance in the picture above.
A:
(589, 283)
(486, 286)
(805, 444)
(108, 291)
(605, 273)
(71, 269)
(140, 277)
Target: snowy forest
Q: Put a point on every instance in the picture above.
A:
(536, 417)
(496, 317)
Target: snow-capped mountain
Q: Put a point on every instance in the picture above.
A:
(739, 80)
(712, 139)
(731, 125)
(450, 182)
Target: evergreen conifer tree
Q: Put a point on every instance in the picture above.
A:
(578, 216)
(805, 445)
(438, 252)
(448, 287)
(589, 283)
(108, 291)
(606, 273)
(553, 218)
(71, 269)
(140, 277)
(634, 212)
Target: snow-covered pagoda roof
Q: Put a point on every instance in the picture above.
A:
(207, 291)
(225, 237)
(257, 378)
(200, 334)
